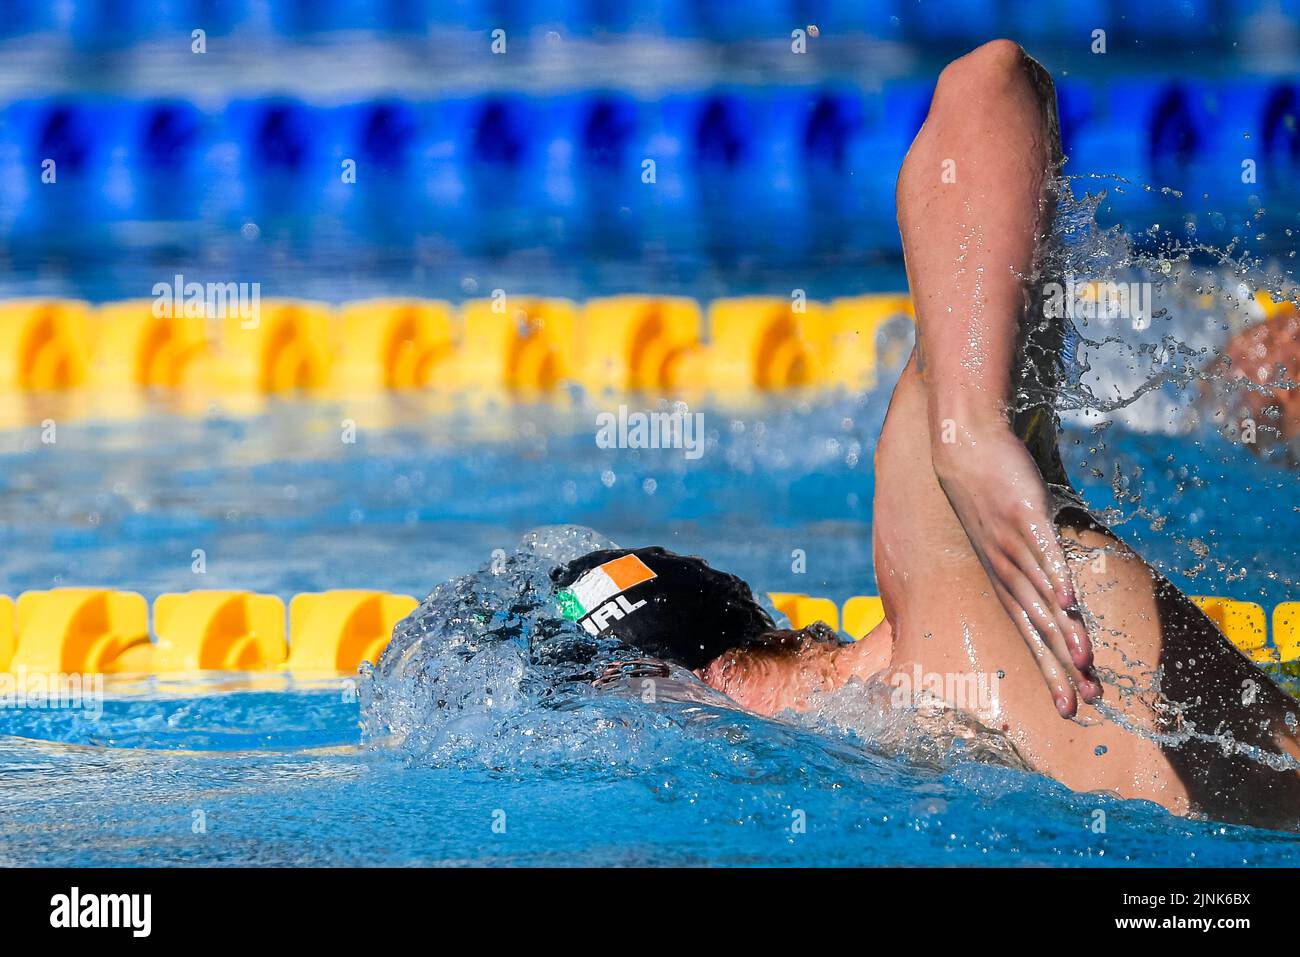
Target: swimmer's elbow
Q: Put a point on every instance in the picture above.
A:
(1001, 78)
(993, 65)
(992, 69)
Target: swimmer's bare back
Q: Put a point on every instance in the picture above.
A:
(1182, 718)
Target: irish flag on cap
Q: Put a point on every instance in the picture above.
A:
(600, 584)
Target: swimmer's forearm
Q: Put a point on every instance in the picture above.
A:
(971, 209)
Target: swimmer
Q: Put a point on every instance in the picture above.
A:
(1262, 362)
(986, 562)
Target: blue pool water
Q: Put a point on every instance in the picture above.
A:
(230, 769)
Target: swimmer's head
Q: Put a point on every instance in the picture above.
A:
(667, 606)
(1246, 386)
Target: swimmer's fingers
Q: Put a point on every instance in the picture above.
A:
(1048, 663)
(1051, 576)
(1068, 638)
(1040, 628)
(1047, 623)
(1040, 536)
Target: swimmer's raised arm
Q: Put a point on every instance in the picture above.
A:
(973, 204)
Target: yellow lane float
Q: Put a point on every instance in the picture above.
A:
(218, 631)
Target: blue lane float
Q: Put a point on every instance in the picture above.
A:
(726, 171)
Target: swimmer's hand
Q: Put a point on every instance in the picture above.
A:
(999, 496)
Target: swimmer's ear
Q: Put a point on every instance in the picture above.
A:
(820, 631)
(777, 637)
(792, 639)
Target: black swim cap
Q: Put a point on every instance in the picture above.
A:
(667, 606)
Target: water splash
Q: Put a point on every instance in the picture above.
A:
(480, 653)
(925, 734)
(1157, 365)
(1140, 363)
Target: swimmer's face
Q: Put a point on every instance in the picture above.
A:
(764, 680)
(734, 673)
